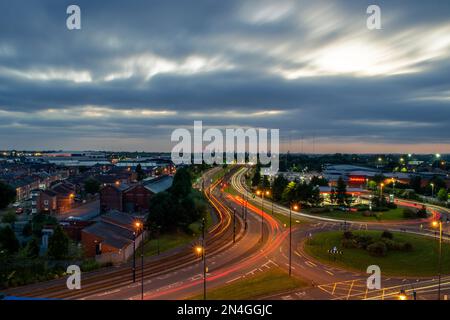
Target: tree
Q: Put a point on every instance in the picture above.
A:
(27, 230)
(443, 194)
(182, 183)
(9, 217)
(163, 211)
(33, 248)
(7, 195)
(8, 240)
(289, 192)
(319, 181)
(333, 196)
(341, 192)
(92, 186)
(140, 173)
(58, 244)
(279, 184)
(416, 183)
(256, 180)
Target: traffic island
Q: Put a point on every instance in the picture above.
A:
(396, 253)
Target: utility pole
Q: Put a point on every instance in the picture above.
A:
(234, 225)
(290, 239)
(142, 263)
(204, 257)
(262, 216)
(134, 256)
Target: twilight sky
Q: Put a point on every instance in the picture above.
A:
(139, 69)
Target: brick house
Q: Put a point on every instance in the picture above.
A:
(111, 239)
(111, 197)
(136, 198)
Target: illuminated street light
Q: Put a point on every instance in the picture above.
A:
(199, 250)
(295, 207)
(262, 193)
(432, 189)
(402, 295)
(436, 224)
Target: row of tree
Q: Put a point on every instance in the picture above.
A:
(178, 207)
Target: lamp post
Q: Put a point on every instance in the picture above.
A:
(157, 239)
(201, 250)
(432, 189)
(381, 190)
(295, 207)
(134, 256)
(262, 193)
(438, 224)
(139, 226)
(234, 225)
(142, 261)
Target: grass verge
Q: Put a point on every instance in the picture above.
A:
(421, 261)
(270, 282)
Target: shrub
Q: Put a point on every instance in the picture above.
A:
(368, 214)
(392, 245)
(409, 213)
(363, 241)
(407, 246)
(348, 243)
(377, 249)
(387, 234)
(391, 205)
(348, 235)
(422, 213)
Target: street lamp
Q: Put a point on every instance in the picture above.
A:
(438, 224)
(294, 207)
(136, 225)
(139, 226)
(432, 189)
(262, 193)
(402, 295)
(201, 250)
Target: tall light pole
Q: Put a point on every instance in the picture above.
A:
(295, 207)
(381, 190)
(134, 256)
(262, 193)
(139, 226)
(437, 224)
(432, 189)
(234, 225)
(142, 261)
(202, 250)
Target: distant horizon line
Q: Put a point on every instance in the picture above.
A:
(169, 152)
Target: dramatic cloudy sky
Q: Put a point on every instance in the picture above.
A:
(139, 69)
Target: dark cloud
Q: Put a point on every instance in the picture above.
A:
(225, 63)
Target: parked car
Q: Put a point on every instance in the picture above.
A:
(19, 210)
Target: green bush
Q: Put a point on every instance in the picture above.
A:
(407, 246)
(348, 235)
(348, 243)
(363, 241)
(377, 249)
(387, 234)
(409, 213)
